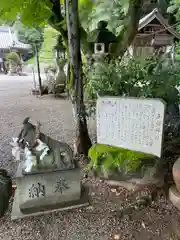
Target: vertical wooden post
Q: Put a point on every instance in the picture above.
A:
(38, 69)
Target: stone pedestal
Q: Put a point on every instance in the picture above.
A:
(176, 173)
(46, 192)
(174, 196)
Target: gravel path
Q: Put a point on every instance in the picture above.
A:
(96, 222)
(16, 103)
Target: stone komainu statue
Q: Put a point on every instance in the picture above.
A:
(62, 155)
(5, 191)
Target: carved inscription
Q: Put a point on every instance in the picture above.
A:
(135, 124)
(61, 186)
(37, 190)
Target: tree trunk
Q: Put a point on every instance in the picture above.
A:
(83, 142)
(125, 38)
(38, 69)
(68, 78)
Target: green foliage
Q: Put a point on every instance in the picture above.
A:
(115, 158)
(135, 78)
(13, 59)
(174, 8)
(46, 54)
(111, 11)
(29, 35)
(177, 50)
(6, 23)
(39, 12)
(31, 12)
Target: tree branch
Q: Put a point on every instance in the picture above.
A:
(56, 20)
(130, 28)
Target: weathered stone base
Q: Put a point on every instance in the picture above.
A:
(150, 177)
(174, 196)
(17, 214)
(46, 192)
(46, 189)
(134, 183)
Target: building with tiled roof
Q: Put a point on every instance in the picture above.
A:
(8, 43)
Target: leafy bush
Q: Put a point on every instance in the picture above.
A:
(46, 54)
(115, 158)
(29, 35)
(136, 78)
(13, 59)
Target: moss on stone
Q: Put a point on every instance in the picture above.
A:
(115, 158)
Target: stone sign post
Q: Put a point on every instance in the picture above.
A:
(131, 123)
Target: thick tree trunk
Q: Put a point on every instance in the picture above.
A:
(83, 142)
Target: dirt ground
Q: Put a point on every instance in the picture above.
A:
(99, 221)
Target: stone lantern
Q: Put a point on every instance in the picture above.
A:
(100, 39)
(60, 77)
(60, 48)
(60, 52)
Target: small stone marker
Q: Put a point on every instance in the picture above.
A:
(47, 192)
(39, 190)
(131, 123)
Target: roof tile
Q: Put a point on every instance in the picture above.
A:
(8, 40)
